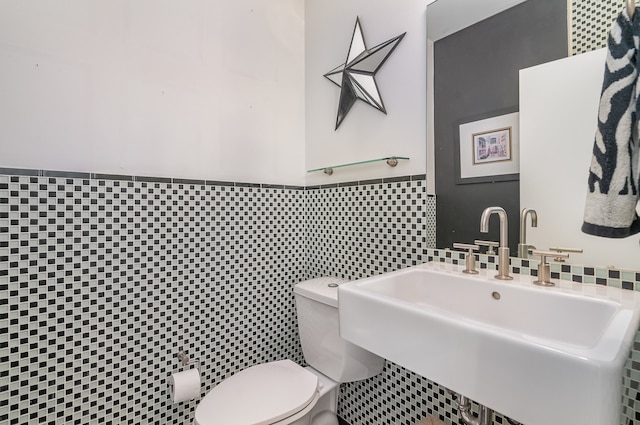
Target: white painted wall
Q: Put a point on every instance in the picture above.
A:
(193, 89)
(366, 133)
(558, 119)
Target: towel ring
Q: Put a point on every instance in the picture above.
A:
(631, 7)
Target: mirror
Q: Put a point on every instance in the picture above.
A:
(475, 78)
(557, 146)
(460, 206)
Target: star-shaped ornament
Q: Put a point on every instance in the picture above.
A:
(356, 77)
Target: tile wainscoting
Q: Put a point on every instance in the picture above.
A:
(104, 278)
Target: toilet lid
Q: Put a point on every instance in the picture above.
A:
(261, 394)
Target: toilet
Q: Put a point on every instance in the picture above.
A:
(284, 393)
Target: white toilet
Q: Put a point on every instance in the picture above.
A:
(285, 393)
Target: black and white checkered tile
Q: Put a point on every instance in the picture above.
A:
(104, 278)
(590, 23)
(354, 231)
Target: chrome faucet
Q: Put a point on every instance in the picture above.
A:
(503, 248)
(523, 248)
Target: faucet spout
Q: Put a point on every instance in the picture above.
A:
(503, 249)
(504, 223)
(523, 248)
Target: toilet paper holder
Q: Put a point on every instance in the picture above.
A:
(183, 356)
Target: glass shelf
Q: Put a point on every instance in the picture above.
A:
(391, 161)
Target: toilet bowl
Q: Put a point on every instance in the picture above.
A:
(284, 393)
(271, 393)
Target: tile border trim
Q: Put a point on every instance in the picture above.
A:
(198, 182)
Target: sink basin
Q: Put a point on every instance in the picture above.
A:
(540, 355)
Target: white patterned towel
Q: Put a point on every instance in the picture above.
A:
(612, 198)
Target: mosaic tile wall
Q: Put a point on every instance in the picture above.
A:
(590, 23)
(103, 280)
(376, 226)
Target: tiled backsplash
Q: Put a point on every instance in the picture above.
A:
(104, 278)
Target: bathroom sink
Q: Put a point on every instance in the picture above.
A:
(540, 355)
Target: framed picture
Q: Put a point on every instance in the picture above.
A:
(487, 148)
(492, 146)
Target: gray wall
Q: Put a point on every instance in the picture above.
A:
(476, 74)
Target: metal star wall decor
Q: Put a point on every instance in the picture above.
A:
(356, 77)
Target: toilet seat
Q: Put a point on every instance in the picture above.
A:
(270, 393)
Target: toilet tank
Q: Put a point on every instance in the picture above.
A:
(323, 348)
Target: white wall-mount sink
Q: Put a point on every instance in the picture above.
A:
(542, 356)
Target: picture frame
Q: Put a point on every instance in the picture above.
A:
(492, 146)
(487, 147)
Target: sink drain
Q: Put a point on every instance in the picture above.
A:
(495, 295)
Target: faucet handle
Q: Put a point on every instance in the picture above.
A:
(489, 244)
(560, 250)
(467, 246)
(470, 258)
(544, 271)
